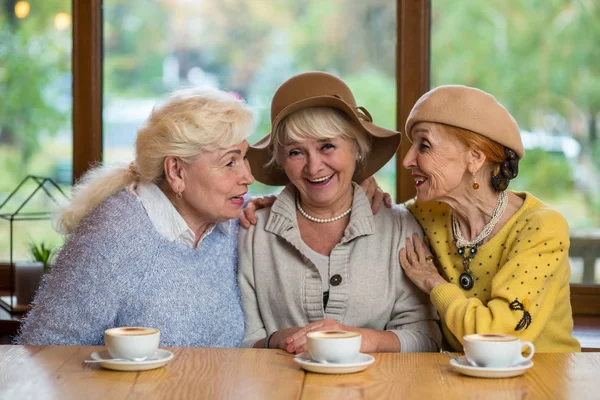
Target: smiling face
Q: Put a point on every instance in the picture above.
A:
(438, 162)
(215, 184)
(321, 170)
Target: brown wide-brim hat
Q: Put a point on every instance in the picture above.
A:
(320, 89)
(468, 108)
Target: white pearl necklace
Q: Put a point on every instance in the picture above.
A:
(319, 220)
(461, 242)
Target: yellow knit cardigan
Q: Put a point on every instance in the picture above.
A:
(521, 277)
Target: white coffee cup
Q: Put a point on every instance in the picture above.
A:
(495, 350)
(333, 346)
(134, 343)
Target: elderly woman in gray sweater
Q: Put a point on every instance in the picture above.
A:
(319, 258)
(154, 244)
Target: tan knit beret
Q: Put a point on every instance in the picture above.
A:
(468, 108)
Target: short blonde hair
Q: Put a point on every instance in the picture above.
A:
(189, 122)
(318, 123)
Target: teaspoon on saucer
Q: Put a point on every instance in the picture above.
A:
(452, 356)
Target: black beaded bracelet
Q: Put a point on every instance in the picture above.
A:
(268, 339)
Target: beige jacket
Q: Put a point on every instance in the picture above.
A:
(281, 287)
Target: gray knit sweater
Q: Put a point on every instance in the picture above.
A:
(282, 288)
(117, 270)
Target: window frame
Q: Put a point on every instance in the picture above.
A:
(87, 85)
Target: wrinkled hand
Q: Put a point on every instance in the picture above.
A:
(375, 195)
(296, 343)
(418, 263)
(278, 340)
(248, 213)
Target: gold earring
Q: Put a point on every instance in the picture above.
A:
(475, 184)
(178, 195)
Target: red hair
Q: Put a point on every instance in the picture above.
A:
(494, 151)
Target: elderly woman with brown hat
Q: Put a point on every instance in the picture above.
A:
(319, 258)
(499, 259)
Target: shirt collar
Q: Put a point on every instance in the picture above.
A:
(166, 219)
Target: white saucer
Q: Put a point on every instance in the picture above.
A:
(361, 362)
(160, 359)
(464, 367)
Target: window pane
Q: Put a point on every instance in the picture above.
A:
(245, 46)
(35, 115)
(540, 59)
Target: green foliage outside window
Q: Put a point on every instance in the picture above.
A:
(552, 180)
(34, 79)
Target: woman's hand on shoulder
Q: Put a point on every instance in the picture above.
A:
(418, 263)
(248, 213)
(375, 194)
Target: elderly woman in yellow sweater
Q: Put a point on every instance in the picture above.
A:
(496, 260)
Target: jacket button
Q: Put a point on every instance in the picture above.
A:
(335, 280)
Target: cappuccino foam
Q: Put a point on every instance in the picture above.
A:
(492, 337)
(131, 331)
(332, 334)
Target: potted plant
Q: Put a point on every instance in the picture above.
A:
(42, 253)
(29, 274)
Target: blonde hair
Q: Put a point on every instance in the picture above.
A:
(318, 123)
(189, 122)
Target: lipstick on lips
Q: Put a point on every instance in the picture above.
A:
(419, 180)
(238, 200)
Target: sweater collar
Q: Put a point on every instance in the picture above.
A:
(283, 216)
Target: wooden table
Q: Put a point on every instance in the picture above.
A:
(428, 376)
(58, 372)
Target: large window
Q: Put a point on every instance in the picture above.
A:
(541, 60)
(35, 114)
(538, 58)
(245, 46)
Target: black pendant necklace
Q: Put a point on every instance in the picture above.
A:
(468, 248)
(466, 280)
